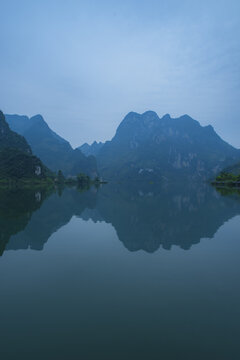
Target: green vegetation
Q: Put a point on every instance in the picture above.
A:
(47, 183)
(15, 164)
(83, 181)
(228, 190)
(226, 179)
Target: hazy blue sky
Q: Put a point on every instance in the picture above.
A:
(84, 64)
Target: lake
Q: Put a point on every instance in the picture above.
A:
(125, 271)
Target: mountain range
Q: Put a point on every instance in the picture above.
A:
(146, 146)
(54, 151)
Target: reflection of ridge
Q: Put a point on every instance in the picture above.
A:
(147, 216)
(144, 216)
(56, 212)
(16, 208)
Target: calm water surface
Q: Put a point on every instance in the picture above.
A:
(123, 272)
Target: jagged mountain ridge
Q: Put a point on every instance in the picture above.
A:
(52, 149)
(92, 149)
(146, 145)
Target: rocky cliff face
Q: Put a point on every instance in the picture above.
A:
(146, 145)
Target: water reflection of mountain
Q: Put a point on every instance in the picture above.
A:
(16, 208)
(145, 216)
(56, 211)
(148, 216)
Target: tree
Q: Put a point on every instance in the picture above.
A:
(83, 179)
(60, 177)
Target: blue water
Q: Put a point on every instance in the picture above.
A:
(120, 272)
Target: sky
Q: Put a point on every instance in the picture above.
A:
(84, 65)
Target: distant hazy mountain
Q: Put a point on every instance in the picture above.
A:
(146, 146)
(16, 159)
(53, 150)
(92, 149)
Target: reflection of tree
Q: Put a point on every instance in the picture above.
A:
(234, 192)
